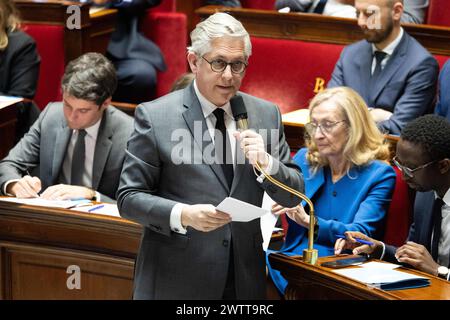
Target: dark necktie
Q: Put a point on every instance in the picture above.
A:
(320, 6)
(223, 146)
(437, 219)
(379, 57)
(78, 160)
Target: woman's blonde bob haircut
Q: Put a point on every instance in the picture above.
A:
(364, 141)
(9, 21)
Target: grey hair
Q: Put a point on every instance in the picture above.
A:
(90, 77)
(216, 26)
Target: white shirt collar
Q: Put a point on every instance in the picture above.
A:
(92, 131)
(446, 198)
(208, 107)
(391, 47)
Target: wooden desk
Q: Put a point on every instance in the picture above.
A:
(38, 244)
(307, 281)
(95, 31)
(294, 130)
(8, 121)
(319, 28)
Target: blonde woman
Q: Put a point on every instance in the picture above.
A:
(19, 65)
(348, 184)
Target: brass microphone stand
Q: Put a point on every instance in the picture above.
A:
(309, 255)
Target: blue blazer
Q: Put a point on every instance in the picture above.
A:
(363, 203)
(407, 86)
(443, 103)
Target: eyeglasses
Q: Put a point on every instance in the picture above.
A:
(219, 65)
(326, 127)
(408, 171)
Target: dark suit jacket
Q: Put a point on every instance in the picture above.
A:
(443, 104)
(43, 148)
(19, 66)
(422, 227)
(156, 176)
(127, 42)
(407, 85)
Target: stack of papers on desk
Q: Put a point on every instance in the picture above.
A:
(107, 209)
(384, 278)
(65, 204)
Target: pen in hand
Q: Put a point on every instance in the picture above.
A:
(359, 240)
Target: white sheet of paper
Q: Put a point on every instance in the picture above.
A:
(268, 221)
(108, 209)
(376, 275)
(379, 265)
(8, 100)
(45, 203)
(240, 211)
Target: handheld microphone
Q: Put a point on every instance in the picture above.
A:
(239, 112)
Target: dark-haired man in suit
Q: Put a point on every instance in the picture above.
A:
(394, 74)
(76, 148)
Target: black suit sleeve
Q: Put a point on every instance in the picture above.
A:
(24, 69)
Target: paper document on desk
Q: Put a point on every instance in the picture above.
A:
(8, 100)
(240, 211)
(107, 209)
(386, 279)
(65, 204)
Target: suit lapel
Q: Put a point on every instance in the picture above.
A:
(393, 64)
(59, 152)
(196, 123)
(362, 61)
(102, 148)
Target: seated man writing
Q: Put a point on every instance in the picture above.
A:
(76, 148)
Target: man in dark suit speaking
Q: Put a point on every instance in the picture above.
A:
(394, 74)
(76, 148)
(175, 174)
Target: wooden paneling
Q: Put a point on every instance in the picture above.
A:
(37, 244)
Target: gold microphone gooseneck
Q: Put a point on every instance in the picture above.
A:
(240, 115)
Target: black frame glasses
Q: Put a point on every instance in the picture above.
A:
(326, 127)
(219, 65)
(408, 171)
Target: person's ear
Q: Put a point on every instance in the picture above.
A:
(193, 62)
(106, 104)
(444, 166)
(397, 11)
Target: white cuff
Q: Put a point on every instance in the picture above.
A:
(384, 251)
(6, 185)
(260, 178)
(175, 219)
(97, 196)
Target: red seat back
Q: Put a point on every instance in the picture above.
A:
(399, 216)
(49, 41)
(258, 4)
(439, 13)
(168, 31)
(288, 72)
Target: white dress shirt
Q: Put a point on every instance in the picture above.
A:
(444, 241)
(389, 50)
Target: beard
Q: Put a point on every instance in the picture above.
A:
(376, 36)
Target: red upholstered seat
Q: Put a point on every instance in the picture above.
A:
(400, 213)
(258, 4)
(286, 71)
(49, 41)
(169, 31)
(439, 13)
